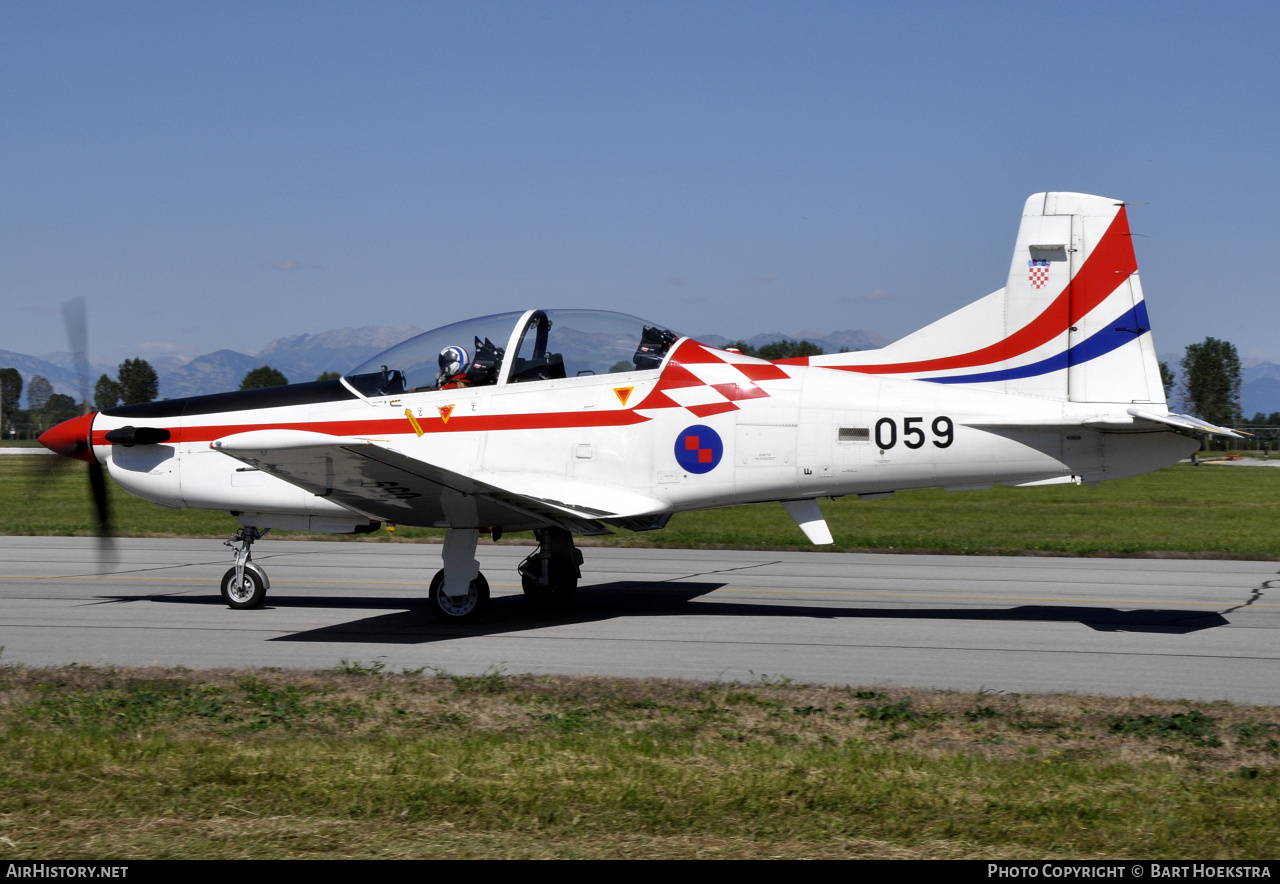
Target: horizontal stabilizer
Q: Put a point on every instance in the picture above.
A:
(1184, 422)
(1133, 420)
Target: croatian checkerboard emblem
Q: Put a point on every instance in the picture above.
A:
(1039, 272)
(699, 449)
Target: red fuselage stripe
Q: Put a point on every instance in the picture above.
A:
(458, 423)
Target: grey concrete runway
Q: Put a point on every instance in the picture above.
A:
(1178, 629)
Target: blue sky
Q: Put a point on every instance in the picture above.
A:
(220, 175)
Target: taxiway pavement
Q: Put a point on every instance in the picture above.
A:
(1203, 630)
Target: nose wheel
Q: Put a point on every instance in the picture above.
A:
(245, 585)
(244, 592)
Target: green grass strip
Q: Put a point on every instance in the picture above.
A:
(171, 763)
(1218, 511)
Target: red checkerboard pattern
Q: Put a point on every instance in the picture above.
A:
(1039, 274)
(705, 381)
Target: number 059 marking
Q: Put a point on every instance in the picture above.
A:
(913, 435)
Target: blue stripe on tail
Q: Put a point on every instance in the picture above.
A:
(1131, 324)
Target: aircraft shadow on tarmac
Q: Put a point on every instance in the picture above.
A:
(411, 623)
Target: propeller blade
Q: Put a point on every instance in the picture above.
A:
(98, 488)
(75, 319)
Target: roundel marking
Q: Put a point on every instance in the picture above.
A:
(699, 449)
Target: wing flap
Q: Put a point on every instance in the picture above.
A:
(375, 480)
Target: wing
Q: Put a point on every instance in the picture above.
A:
(377, 481)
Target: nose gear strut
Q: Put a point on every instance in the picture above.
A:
(244, 586)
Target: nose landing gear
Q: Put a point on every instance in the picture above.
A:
(244, 586)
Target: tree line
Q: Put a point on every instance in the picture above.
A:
(44, 407)
(135, 382)
(1209, 388)
(784, 349)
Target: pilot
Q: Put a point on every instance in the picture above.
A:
(454, 363)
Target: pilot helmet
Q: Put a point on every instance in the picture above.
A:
(453, 361)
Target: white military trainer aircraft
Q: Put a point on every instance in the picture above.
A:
(571, 421)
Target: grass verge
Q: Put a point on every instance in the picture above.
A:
(1209, 511)
(358, 762)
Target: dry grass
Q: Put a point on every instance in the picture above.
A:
(370, 702)
(169, 763)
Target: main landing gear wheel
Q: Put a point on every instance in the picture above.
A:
(549, 574)
(560, 589)
(249, 594)
(463, 609)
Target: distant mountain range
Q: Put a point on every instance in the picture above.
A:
(304, 357)
(300, 358)
(1259, 387)
(63, 379)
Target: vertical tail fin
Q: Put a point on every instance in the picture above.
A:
(1070, 323)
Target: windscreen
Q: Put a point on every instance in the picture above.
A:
(581, 343)
(553, 344)
(414, 365)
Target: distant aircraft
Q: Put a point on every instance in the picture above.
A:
(572, 421)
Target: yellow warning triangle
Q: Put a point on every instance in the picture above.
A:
(623, 393)
(445, 411)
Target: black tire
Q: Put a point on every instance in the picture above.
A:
(469, 611)
(559, 593)
(248, 595)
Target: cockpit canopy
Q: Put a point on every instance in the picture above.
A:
(516, 348)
